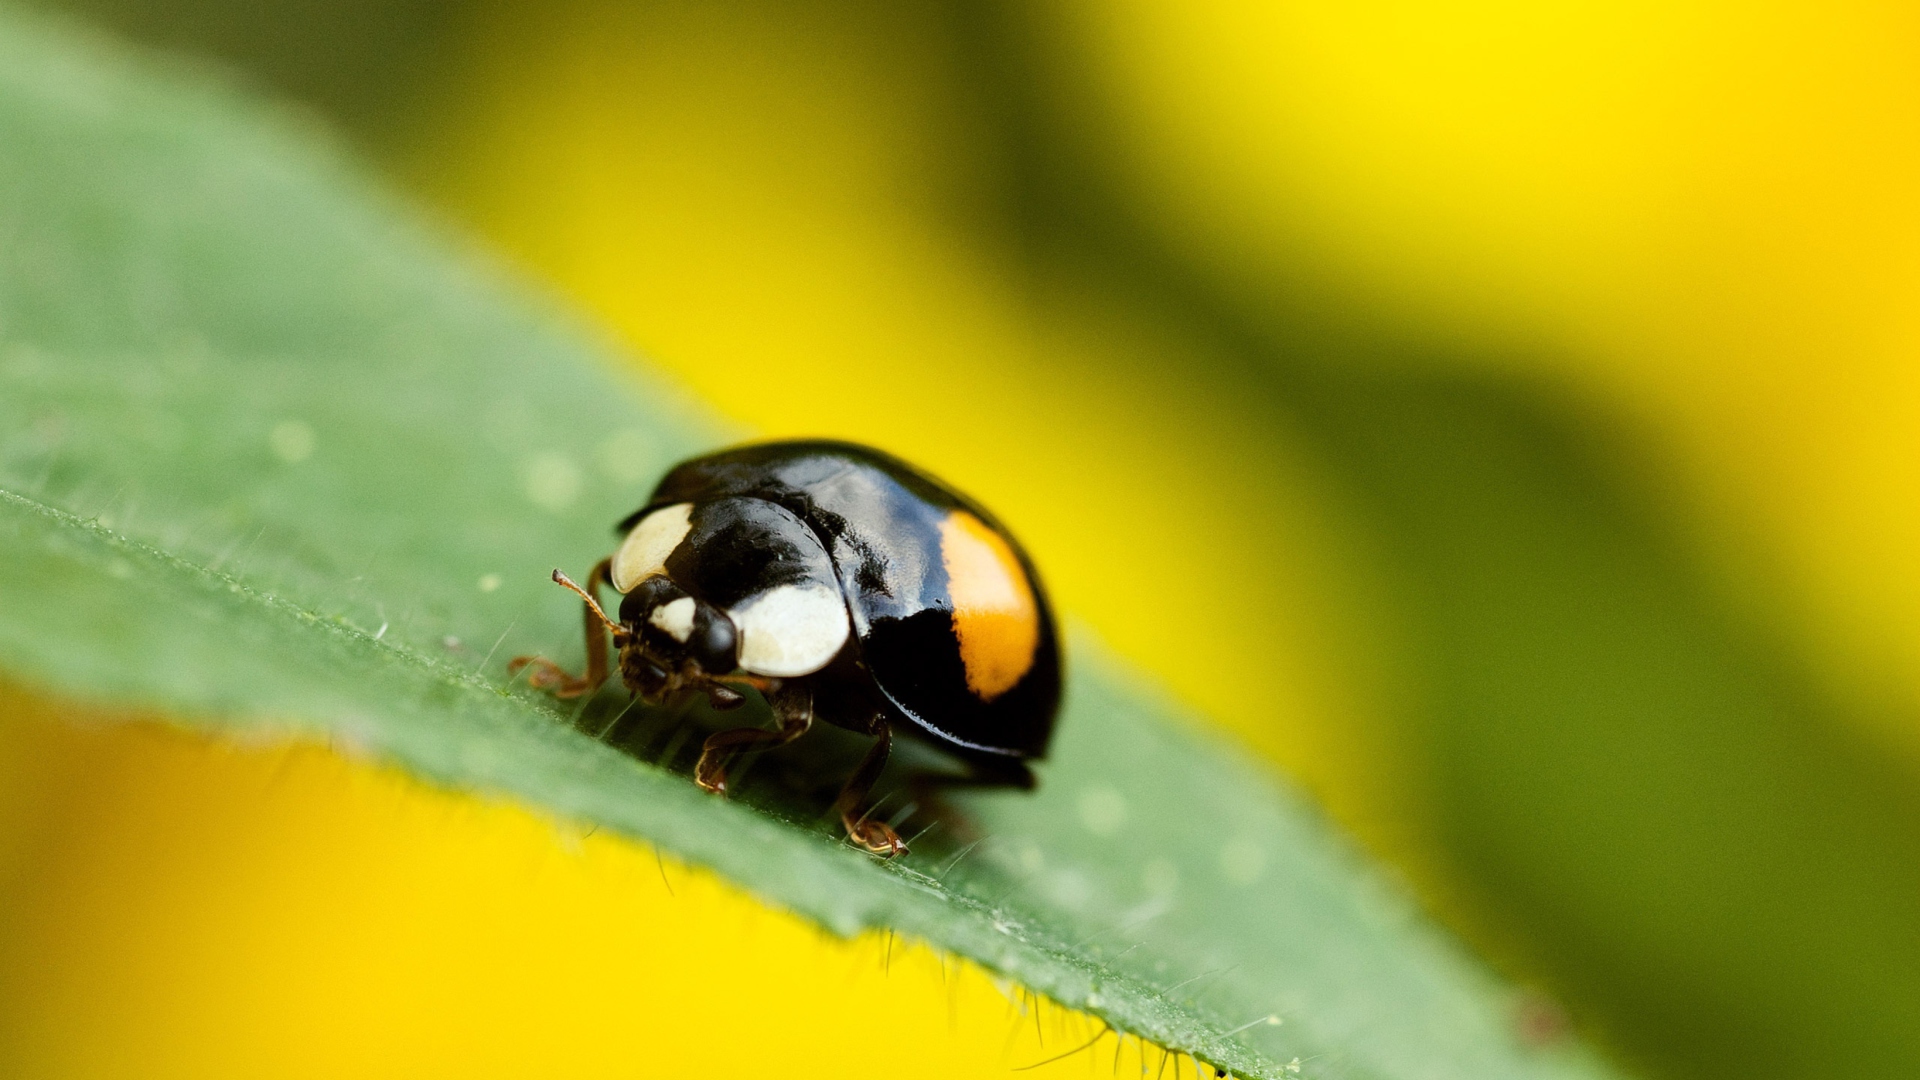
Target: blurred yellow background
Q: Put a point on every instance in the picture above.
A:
(180, 907)
(1703, 216)
(974, 235)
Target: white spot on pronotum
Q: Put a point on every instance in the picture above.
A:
(450, 642)
(675, 617)
(291, 441)
(1102, 810)
(1243, 860)
(552, 481)
(1160, 877)
(791, 630)
(120, 568)
(489, 582)
(629, 456)
(644, 552)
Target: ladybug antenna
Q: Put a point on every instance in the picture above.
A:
(592, 604)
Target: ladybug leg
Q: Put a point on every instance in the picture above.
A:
(792, 710)
(546, 674)
(875, 836)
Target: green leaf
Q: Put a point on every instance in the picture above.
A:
(277, 457)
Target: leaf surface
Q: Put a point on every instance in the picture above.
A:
(277, 456)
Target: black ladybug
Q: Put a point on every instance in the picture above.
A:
(842, 583)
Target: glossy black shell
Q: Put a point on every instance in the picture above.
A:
(879, 519)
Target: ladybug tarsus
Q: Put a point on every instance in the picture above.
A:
(876, 837)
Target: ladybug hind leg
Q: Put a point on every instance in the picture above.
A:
(875, 836)
(792, 711)
(547, 675)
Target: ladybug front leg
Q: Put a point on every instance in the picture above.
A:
(546, 674)
(792, 710)
(875, 836)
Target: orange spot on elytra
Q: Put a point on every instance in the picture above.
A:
(994, 612)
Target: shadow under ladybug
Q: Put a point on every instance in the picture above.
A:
(843, 585)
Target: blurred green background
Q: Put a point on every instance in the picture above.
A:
(1503, 417)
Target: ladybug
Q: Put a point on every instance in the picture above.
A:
(842, 584)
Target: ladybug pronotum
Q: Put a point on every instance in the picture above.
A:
(844, 585)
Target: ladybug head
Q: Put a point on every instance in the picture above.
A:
(671, 644)
(669, 640)
(736, 590)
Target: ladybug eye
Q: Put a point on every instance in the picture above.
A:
(649, 677)
(713, 641)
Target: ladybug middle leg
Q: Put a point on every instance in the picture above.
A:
(546, 674)
(875, 836)
(792, 710)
